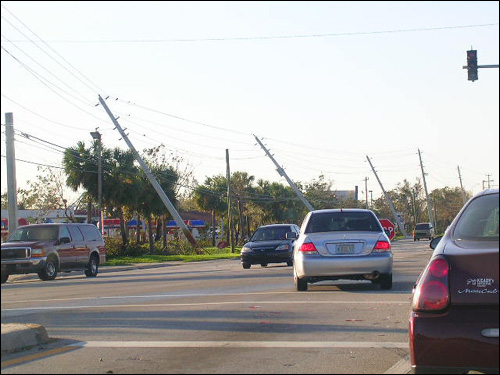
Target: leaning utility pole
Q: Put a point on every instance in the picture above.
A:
(11, 171)
(461, 185)
(429, 208)
(152, 179)
(229, 216)
(282, 173)
(389, 202)
(366, 192)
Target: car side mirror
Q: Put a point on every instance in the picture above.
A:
(435, 242)
(291, 236)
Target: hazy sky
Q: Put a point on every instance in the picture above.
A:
(323, 83)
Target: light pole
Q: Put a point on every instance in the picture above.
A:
(97, 136)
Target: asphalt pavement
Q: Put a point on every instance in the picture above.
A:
(16, 337)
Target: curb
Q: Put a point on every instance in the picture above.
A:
(19, 336)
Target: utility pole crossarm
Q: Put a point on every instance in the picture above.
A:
(170, 207)
(282, 173)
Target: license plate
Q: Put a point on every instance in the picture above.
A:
(345, 249)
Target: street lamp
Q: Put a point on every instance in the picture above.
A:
(97, 136)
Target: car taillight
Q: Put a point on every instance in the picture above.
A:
(308, 248)
(382, 246)
(432, 291)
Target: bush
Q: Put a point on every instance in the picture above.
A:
(115, 248)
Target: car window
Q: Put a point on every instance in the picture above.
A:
(91, 233)
(75, 233)
(64, 232)
(479, 221)
(35, 233)
(343, 221)
(422, 226)
(270, 233)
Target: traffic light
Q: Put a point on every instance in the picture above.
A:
(472, 65)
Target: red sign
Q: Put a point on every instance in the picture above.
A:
(388, 226)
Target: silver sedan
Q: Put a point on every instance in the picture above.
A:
(342, 244)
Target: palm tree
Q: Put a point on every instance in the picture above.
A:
(211, 196)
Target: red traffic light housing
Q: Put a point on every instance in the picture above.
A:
(472, 65)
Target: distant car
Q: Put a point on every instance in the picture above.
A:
(423, 230)
(338, 244)
(454, 319)
(270, 244)
(46, 249)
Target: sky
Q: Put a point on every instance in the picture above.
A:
(324, 85)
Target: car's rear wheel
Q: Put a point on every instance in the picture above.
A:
(5, 276)
(386, 281)
(263, 264)
(246, 265)
(300, 283)
(93, 266)
(289, 263)
(50, 269)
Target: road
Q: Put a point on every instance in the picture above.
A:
(215, 317)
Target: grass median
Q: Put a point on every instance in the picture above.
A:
(211, 253)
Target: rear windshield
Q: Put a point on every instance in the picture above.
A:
(343, 221)
(479, 221)
(35, 233)
(270, 233)
(422, 226)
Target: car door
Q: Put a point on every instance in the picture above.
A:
(65, 248)
(80, 247)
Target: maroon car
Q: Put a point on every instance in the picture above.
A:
(454, 320)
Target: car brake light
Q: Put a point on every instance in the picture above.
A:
(432, 291)
(382, 246)
(308, 248)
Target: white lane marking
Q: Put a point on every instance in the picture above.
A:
(169, 296)
(241, 344)
(207, 304)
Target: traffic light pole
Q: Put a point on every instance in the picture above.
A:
(472, 66)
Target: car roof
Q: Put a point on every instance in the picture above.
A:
(276, 225)
(53, 224)
(487, 191)
(329, 210)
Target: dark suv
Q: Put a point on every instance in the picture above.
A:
(270, 244)
(423, 230)
(46, 249)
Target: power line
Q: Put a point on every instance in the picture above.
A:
(253, 38)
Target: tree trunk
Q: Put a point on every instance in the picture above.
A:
(242, 226)
(164, 231)
(123, 228)
(213, 228)
(89, 210)
(138, 231)
(150, 234)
